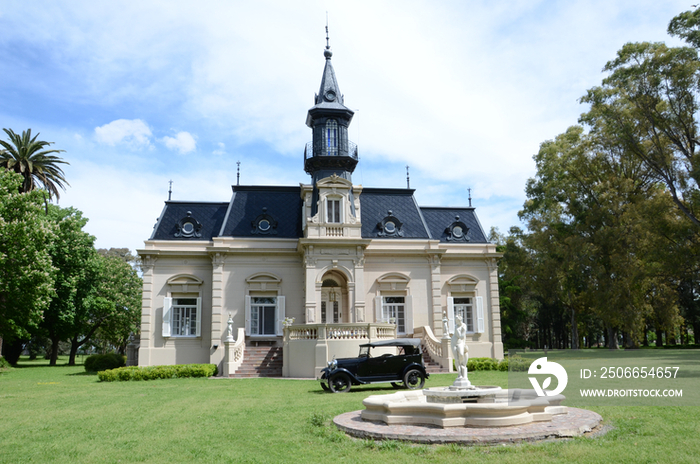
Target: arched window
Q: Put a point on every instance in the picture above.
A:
(332, 137)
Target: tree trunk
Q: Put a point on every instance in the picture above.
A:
(54, 351)
(659, 338)
(74, 345)
(696, 332)
(612, 339)
(574, 330)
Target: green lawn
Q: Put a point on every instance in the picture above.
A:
(60, 414)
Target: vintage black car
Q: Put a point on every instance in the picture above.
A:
(405, 368)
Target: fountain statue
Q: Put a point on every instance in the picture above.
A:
(460, 351)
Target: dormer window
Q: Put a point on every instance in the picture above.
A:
(333, 210)
(457, 231)
(390, 226)
(264, 224)
(188, 227)
(332, 138)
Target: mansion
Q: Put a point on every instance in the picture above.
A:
(317, 269)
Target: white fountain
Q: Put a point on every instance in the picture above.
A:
(462, 404)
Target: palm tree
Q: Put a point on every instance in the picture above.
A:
(26, 156)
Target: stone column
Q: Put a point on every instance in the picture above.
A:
(148, 317)
(360, 315)
(434, 258)
(495, 306)
(310, 290)
(217, 306)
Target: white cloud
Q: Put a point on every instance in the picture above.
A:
(133, 132)
(183, 142)
(221, 150)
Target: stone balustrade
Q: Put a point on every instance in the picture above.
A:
(309, 347)
(439, 350)
(234, 353)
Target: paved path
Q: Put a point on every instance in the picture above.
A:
(576, 423)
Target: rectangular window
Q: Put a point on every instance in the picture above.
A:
(184, 314)
(262, 315)
(465, 307)
(333, 207)
(323, 312)
(394, 307)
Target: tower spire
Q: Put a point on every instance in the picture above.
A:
(330, 152)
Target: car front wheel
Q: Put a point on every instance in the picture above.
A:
(340, 383)
(414, 379)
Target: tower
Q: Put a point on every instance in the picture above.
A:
(330, 152)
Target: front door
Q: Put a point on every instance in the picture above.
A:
(331, 305)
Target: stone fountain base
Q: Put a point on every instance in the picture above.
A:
(444, 407)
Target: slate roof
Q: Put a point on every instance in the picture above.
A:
(376, 204)
(283, 205)
(210, 215)
(237, 218)
(439, 219)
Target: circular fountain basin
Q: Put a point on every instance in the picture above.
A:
(486, 406)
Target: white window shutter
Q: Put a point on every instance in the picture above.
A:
(199, 318)
(480, 314)
(167, 314)
(280, 315)
(247, 314)
(451, 313)
(408, 314)
(378, 313)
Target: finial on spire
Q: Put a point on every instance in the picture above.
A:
(238, 173)
(408, 179)
(170, 190)
(470, 196)
(327, 52)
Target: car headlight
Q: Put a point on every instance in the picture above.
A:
(332, 365)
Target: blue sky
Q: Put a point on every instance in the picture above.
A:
(140, 93)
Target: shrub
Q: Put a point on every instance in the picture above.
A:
(157, 372)
(514, 363)
(101, 362)
(4, 364)
(482, 364)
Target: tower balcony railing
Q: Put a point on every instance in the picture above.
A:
(344, 148)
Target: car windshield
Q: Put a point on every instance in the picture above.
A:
(364, 351)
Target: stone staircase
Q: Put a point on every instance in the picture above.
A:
(260, 361)
(432, 367)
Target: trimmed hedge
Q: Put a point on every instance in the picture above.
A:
(516, 363)
(158, 372)
(101, 362)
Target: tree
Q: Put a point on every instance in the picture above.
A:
(74, 258)
(112, 309)
(27, 156)
(26, 271)
(587, 212)
(648, 105)
(126, 287)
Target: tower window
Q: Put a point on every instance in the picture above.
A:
(333, 210)
(332, 137)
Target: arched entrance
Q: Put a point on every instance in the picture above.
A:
(334, 304)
